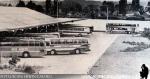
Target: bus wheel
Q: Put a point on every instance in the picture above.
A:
(26, 55)
(53, 52)
(77, 51)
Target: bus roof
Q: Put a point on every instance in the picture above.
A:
(47, 39)
(121, 24)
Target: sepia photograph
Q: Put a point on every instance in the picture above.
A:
(74, 39)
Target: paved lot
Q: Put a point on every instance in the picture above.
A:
(122, 65)
(73, 64)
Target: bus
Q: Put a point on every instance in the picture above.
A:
(125, 28)
(33, 47)
(66, 45)
(24, 49)
(77, 31)
(44, 35)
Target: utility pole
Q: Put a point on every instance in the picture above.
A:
(58, 14)
(57, 8)
(1, 58)
(107, 13)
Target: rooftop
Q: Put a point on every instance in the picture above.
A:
(19, 18)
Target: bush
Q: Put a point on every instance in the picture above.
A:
(134, 43)
(29, 69)
(1, 68)
(5, 66)
(140, 47)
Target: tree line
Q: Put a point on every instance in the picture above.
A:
(72, 8)
(49, 9)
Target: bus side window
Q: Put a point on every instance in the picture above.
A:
(71, 41)
(75, 41)
(16, 44)
(36, 43)
(24, 44)
(80, 41)
(41, 44)
(31, 44)
(47, 44)
(59, 42)
(52, 42)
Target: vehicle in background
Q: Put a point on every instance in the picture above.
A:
(64, 45)
(141, 18)
(77, 31)
(24, 49)
(121, 28)
(44, 35)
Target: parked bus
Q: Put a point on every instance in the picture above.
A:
(65, 45)
(24, 49)
(125, 28)
(44, 35)
(77, 31)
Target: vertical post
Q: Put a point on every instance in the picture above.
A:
(107, 13)
(46, 28)
(57, 14)
(0, 59)
(107, 19)
(57, 8)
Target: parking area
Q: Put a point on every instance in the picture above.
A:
(73, 64)
(115, 64)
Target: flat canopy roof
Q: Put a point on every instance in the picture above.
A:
(12, 18)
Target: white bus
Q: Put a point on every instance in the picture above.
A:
(33, 47)
(77, 31)
(24, 49)
(44, 35)
(66, 45)
(125, 28)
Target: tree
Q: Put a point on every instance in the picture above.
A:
(135, 5)
(110, 5)
(141, 10)
(39, 8)
(48, 6)
(31, 5)
(72, 6)
(148, 8)
(122, 7)
(20, 4)
(55, 7)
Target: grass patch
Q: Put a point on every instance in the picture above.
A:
(138, 46)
